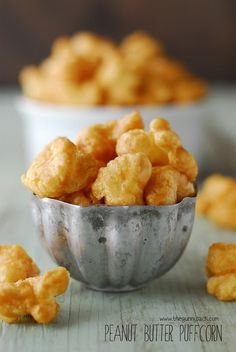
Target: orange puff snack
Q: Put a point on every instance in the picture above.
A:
(100, 139)
(217, 200)
(167, 186)
(15, 264)
(23, 292)
(158, 143)
(116, 163)
(34, 296)
(90, 70)
(60, 168)
(123, 180)
(221, 269)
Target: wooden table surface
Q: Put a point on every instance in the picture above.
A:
(80, 325)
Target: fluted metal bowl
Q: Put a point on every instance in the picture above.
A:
(114, 248)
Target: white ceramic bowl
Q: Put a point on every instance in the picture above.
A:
(43, 122)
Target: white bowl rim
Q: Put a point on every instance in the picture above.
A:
(24, 104)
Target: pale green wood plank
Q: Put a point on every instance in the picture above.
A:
(84, 313)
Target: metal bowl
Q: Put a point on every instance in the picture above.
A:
(114, 248)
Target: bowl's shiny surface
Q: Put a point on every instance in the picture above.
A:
(114, 248)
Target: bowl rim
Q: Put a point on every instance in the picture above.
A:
(23, 102)
(125, 207)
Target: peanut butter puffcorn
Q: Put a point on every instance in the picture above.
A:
(123, 180)
(59, 169)
(221, 267)
(15, 264)
(34, 296)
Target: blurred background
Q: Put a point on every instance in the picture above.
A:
(200, 33)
